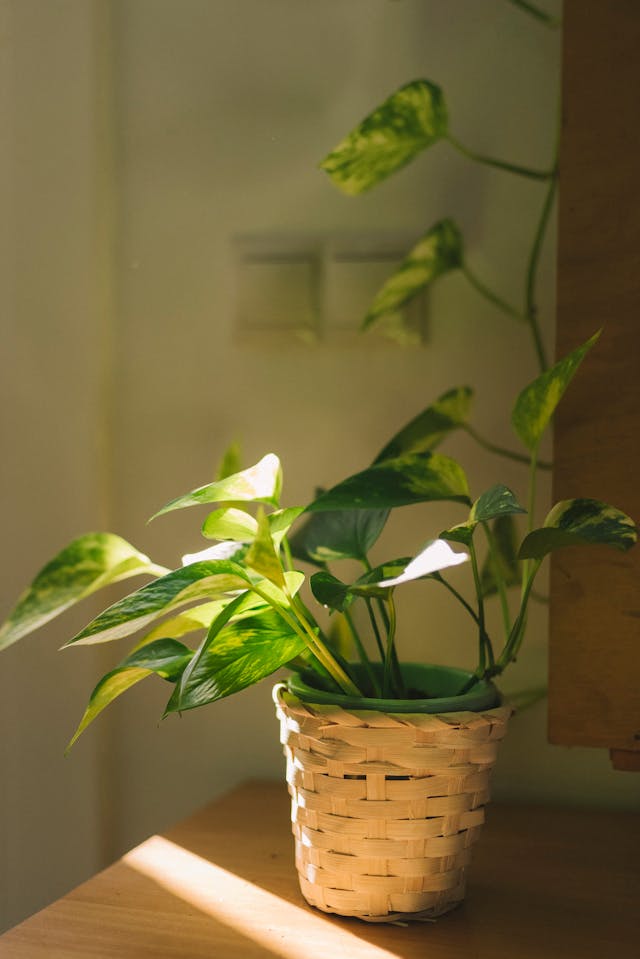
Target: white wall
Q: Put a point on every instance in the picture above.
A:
(216, 117)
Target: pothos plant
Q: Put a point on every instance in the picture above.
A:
(243, 595)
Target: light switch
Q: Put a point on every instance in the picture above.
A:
(278, 295)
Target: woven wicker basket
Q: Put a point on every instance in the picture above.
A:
(385, 807)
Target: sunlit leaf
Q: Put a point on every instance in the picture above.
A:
(429, 428)
(415, 478)
(578, 522)
(438, 252)
(230, 523)
(436, 555)
(206, 580)
(227, 550)
(412, 118)
(86, 565)
(281, 521)
(262, 556)
(340, 534)
(164, 657)
(261, 483)
(536, 404)
(241, 654)
(505, 555)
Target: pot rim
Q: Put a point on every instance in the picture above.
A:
(484, 695)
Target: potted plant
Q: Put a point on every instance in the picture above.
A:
(388, 762)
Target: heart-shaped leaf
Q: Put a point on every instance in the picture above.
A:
(84, 566)
(496, 501)
(164, 657)
(415, 478)
(438, 252)
(343, 534)
(412, 118)
(505, 555)
(536, 404)
(241, 654)
(330, 591)
(430, 427)
(578, 522)
(261, 483)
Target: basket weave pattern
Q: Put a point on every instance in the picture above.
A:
(385, 807)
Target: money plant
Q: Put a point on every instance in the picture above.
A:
(241, 609)
(244, 596)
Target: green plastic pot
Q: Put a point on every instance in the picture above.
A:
(438, 684)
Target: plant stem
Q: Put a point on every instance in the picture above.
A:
(500, 450)
(502, 589)
(491, 296)
(362, 653)
(374, 626)
(542, 15)
(532, 270)
(514, 642)
(299, 624)
(484, 643)
(386, 679)
(397, 672)
(440, 579)
(500, 164)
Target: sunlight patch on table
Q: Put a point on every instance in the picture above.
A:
(283, 928)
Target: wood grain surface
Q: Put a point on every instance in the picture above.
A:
(552, 883)
(595, 593)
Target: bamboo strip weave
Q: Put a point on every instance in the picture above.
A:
(385, 808)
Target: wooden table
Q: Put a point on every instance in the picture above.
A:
(545, 884)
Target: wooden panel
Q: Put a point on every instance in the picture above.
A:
(595, 594)
(544, 882)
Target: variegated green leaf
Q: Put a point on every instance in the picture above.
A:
(164, 657)
(412, 118)
(205, 580)
(505, 555)
(438, 252)
(496, 501)
(230, 523)
(340, 534)
(576, 522)
(331, 591)
(536, 404)
(415, 478)
(428, 429)
(241, 654)
(281, 521)
(261, 483)
(86, 565)
(262, 556)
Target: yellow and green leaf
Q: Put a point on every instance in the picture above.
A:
(408, 121)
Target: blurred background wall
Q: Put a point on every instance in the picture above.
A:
(140, 139)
